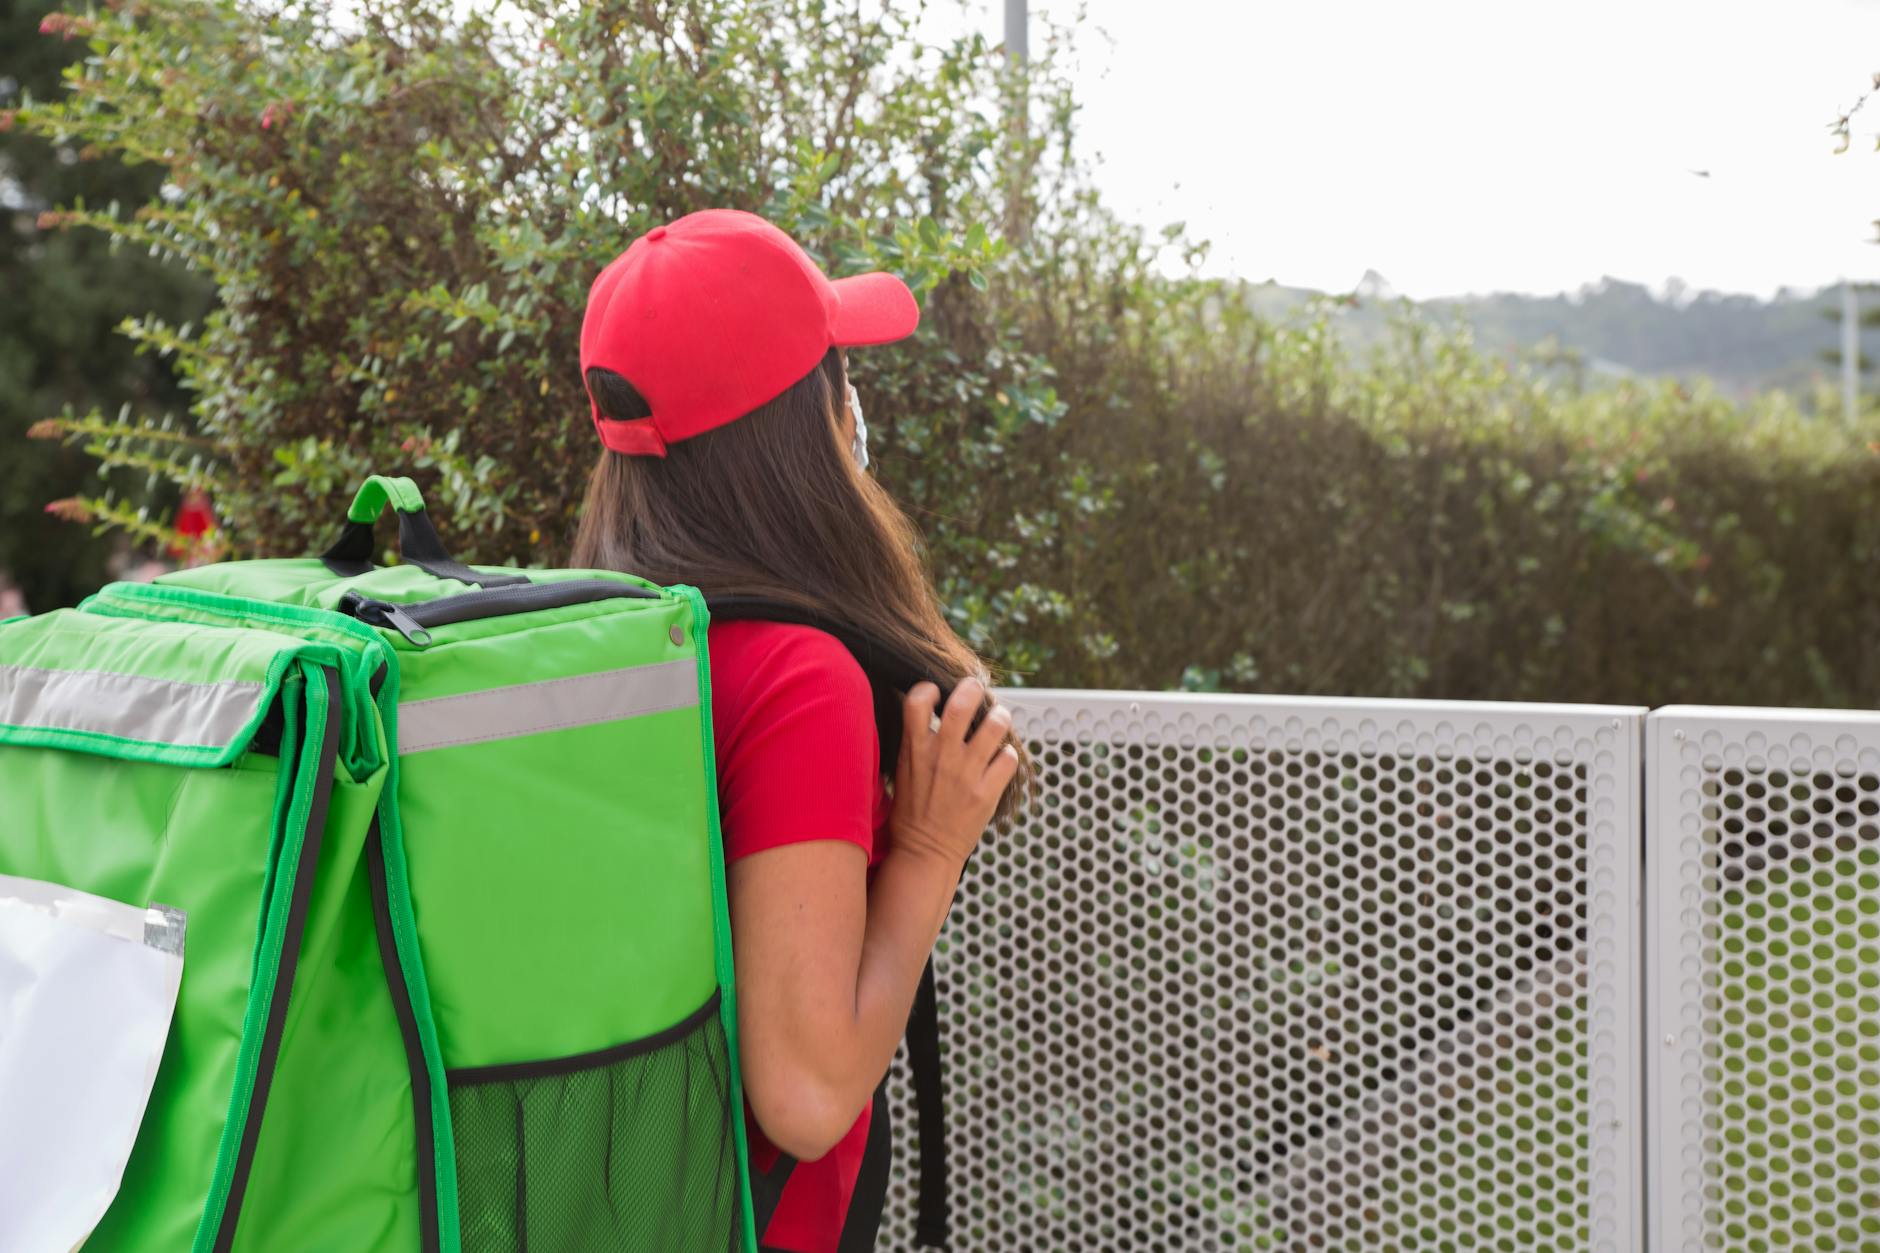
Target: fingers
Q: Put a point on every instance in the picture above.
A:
(917, 709)
(917, 722)
(979, 759)
(1003, 766)
(968, 695)
(993, 731)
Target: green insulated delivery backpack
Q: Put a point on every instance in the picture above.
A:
(439, 848)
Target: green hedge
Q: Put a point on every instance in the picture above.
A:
(1125, 479)
(1432, 523)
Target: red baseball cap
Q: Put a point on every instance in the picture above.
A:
(713, 315)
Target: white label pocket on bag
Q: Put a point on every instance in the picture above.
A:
(87, 989)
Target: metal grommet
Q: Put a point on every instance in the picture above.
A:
(677, 633)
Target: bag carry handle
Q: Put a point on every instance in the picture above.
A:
(418, 544)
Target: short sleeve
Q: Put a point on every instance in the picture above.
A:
(796, 748)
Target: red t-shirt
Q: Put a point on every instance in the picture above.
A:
(794, 724)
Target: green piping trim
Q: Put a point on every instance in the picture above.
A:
(411, 964)
(291, 746)
(721, 910)
(268, 957)
(104, 745)
(128, 594)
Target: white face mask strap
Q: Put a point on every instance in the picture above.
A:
(860, 447)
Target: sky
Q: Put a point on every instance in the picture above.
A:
(1488, 145)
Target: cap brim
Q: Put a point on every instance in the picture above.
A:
(872, 309)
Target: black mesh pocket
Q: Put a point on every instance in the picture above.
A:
(626, 1150)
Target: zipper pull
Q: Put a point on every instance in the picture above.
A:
(406, 625)
(384, 613)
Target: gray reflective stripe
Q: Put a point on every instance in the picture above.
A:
(502, 713)
(128, 706)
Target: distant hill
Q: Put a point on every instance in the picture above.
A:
(1744, 343)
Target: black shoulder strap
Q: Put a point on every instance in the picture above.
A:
(889, 673)
(889, 677)
(923, 1065)
(861, 1226)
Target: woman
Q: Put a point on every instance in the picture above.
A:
(734, 460)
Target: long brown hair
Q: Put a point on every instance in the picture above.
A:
(774, 505)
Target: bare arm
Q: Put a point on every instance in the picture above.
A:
(827, 965)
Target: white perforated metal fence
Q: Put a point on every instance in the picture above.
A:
(1298, 974)
(1764, 957)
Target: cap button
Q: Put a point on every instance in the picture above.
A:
(658, 232)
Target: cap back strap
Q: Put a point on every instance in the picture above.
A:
(636, 437)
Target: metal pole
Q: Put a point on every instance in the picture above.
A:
(1850, 352)
(1018, 55)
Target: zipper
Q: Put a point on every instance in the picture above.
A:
(383, 613)
(421, 1096)
(228, 1205)
(414, 620)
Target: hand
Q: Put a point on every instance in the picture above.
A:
(946, 786)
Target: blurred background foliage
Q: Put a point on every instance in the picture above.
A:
(1128, 476)
(62, 294)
